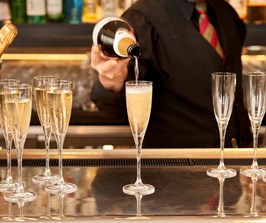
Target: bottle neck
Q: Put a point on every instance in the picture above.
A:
(134, 50)
(7, 34)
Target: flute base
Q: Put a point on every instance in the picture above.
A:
(61, 218)
(140, 189)
(253, 172)
(6, 187)
(61, 188)
(43, 179)
(224, 173)
(21, 197)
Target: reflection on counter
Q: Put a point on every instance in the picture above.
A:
(180, 191)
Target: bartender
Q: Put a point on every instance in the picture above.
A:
(179, 59)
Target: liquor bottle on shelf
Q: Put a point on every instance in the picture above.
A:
(109, 8)
(89, 11)
(4, 11)
(256, 11)
(116, 38)
(74, 11)
(36, 12)
(241, 7)
(55, 11)
(128, 3)
(18, 11)
(7, 34)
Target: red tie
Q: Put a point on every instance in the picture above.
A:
(206, 28)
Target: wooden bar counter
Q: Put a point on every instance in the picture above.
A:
(184, 192)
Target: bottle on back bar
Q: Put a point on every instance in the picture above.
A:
(55, 10)
(256, 11)
(7, 34)
(36, 11)
(4, 11)
(18, 11)
(74, 11)
(89, 11)
(116, 38)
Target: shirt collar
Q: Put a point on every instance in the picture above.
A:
(185, 7)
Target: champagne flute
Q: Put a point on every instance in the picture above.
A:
(59, 97)
(18, 102)
(41, 107)
(223, 94)
(138, 99)
(8, 183)
(254, 84)
(61, 215)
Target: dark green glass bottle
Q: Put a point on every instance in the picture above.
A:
(18, 11)
(55, 10)
(36, 12)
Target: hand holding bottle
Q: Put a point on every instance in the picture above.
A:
(112, 71)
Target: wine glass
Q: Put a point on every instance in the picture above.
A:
(18, 102)
(8, 183)
(254, 85)
(223, 94)
(138, 100)
(41, 107)
(61, 215)
(59, 97)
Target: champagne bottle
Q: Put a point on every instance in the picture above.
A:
(116, 38)
(7, 34)
(36, 11)
(55, 10)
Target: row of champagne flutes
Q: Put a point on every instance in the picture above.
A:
(139, 97)
(223, 94)
(53, 99)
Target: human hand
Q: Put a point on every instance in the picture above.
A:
(112, 71)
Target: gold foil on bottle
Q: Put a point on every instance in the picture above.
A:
(7, 34)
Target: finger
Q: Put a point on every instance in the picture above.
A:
(95, 56)
(107, 66)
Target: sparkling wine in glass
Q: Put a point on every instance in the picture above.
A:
(138, 100)
(59, 97)
(8, 183)
(18, 102)
(42, 111)
(223, 94)
(254, 85)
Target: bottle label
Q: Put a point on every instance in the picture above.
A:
(54, 7)
(123, 39)
(35, 7)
